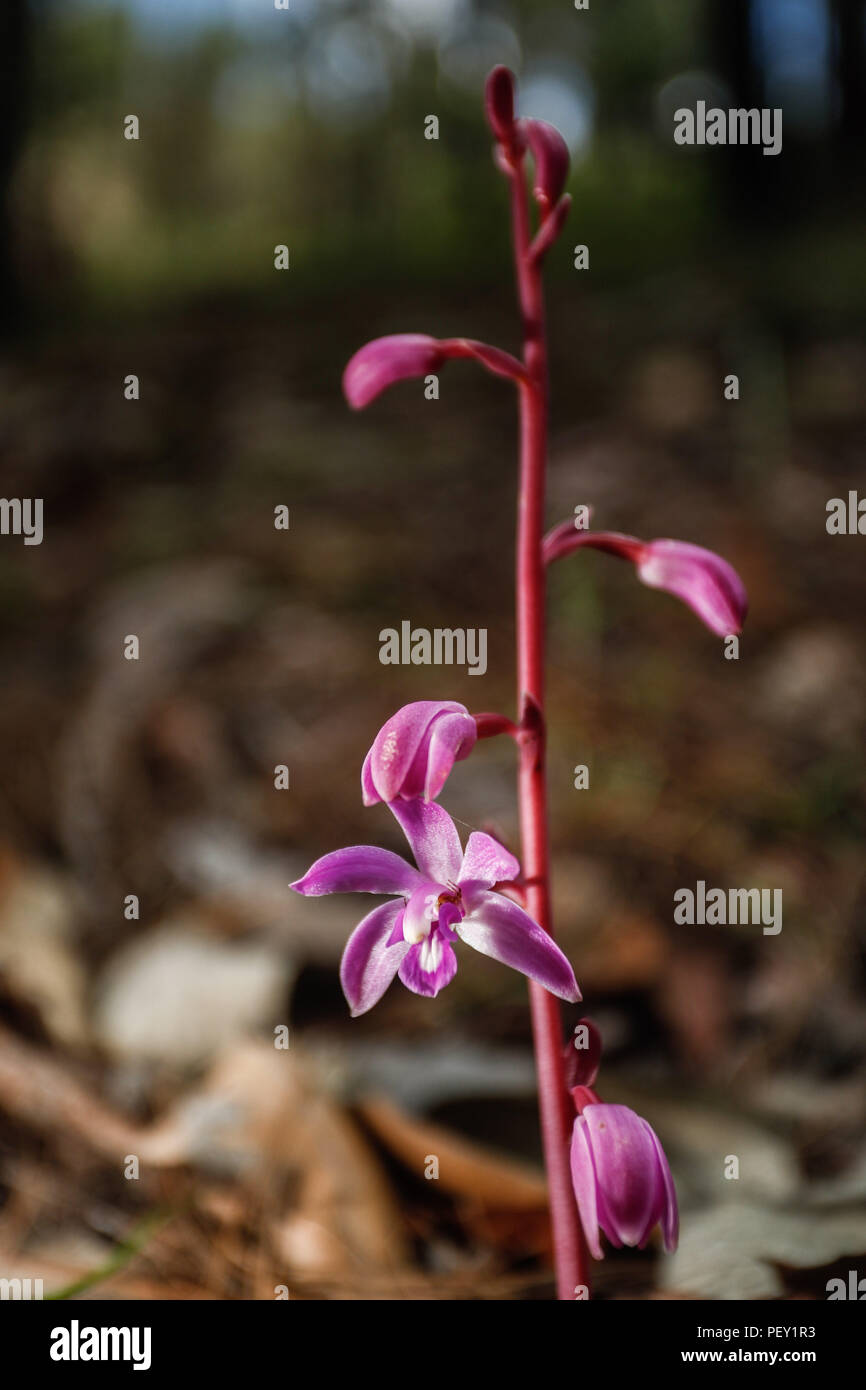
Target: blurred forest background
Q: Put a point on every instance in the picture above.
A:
(154, 1037)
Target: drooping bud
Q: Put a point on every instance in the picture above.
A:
(621, 1177)
(413, 753)
(703, 580)
(582, 1055)
(707, 583)
(378, 364)
(551, 157)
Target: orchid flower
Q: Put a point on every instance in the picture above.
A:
(400, 356)
(703, 580)
(449, 897)
(622, 1181)
(414, 752)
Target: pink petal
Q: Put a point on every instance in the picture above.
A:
(500, 929)
(433, 837)
(427, 968)
(486, 862)
(369, 963)
(452, 739)
(670, 1216)
(585, 1186)
(358, 869)
(629, 1183)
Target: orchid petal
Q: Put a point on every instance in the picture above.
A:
(670, 1217)
(626, 1166)
(369, 961)
(422, 910)
(585, 1187)
(499, 928)
(486, 862)
(429, 967)
(452, 739)
(358, 869)
(433, 837)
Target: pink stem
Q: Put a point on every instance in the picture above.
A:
(565, 538)
(490, 725)
(557, 1115)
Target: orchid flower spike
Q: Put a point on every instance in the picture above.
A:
(546, 145)
(621, 1177)
(400, 356)
(414, 752)
(447, 898)
(703, 580)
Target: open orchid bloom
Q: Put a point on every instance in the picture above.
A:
(414, 752)
(703, 580)
(622, 1181)
(448, 897)
(400, 356)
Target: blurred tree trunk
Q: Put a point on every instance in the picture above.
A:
(849, 19)
(14, 95)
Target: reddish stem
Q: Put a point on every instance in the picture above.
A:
(557, 1114)
(489, 725)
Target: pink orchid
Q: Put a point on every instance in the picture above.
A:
(703, 580)
(414, 752)
(449, 897)
(400, 356)
(621, 1176)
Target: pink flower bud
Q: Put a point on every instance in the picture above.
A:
(707, 583)
(550, 153)
(499, 103)
(622, 1181)
(383, 361)
(414, 752)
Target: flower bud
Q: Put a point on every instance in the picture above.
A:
(550, 154)
(499, 103)
(707, 583)
(383, 361)
(414, 752)
(622, 1181)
